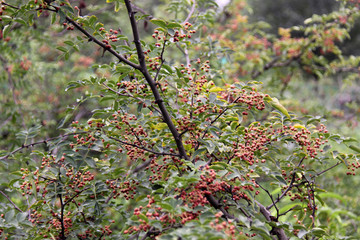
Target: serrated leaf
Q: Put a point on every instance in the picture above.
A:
(53, 18)
(123, 69)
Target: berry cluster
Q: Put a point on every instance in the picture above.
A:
(126, 188)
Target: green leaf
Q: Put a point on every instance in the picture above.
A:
(123, 69)
(318, 232)
(6, 30)
(117, 6)
(174, 25)
(168, 68)
(63, 49)
(21, 21)
(197, 152)
(159, 22)
(9, 216)
(356, 149)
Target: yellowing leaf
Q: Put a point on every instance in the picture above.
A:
(216, 89)
(278, 106)
(284, 32)
(299, 126)
(160, 126)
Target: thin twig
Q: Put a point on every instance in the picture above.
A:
(190, 13)
(161, 59)
(185, 51)
(324, 171)
(152, 107)
(12, 203)
(284, 193)
(37, 143)
(284, 213)
(272, 200)
(137, 8)
(145, 149)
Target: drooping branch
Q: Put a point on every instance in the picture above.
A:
(37, 143)
(101, 44)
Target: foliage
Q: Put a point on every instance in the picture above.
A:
(182, 142)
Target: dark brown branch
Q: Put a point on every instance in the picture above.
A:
(101, 44)
(272, 200)
(161, 59)
(213, 121)
(324, 171)
(291, 185)
(77, 194)
(37, 143)
(142, 166)
(274, 63)
(279, 232)
(284, 193)
(143, 68)
(284, 213)
(215, 204)
(62, 206)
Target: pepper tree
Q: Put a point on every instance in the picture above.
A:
(169, 151)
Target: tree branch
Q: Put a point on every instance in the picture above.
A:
(12, 203)
(279, 232)
(143, 68)
(143, 148)
(37, 143)
(101, 44)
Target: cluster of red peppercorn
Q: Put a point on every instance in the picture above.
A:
(110, 36)
(177, 36)
(155, 213)
(75, 184)
(195, 194)
(125, 188)
(225, 226)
